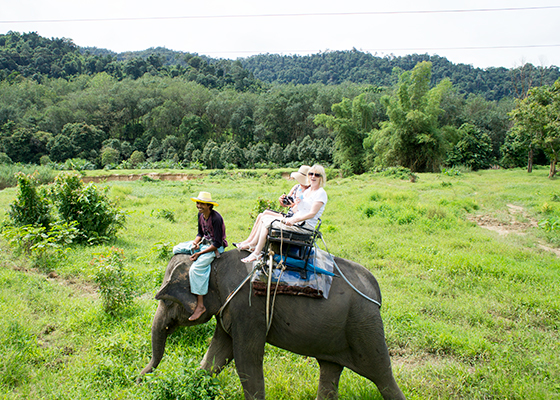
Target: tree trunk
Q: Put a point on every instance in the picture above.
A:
(530, 160)
(553, 162)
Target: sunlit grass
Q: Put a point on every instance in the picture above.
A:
(468, 312)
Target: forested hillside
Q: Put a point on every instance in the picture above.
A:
(352, 111)
(336, 67)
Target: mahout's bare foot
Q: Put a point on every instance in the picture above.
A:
(198, 311)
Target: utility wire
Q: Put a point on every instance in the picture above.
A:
(301, 51)
(334, 14)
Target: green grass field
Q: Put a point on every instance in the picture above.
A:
(469, 312)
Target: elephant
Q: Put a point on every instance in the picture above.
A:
(345, 330)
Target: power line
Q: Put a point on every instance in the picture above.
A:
(336, 14)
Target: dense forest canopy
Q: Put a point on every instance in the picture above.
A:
(352, 110)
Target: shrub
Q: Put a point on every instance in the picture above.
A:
(264, 204)
(31, 206)
(164, 214)
(97, 218)
(45, 247)
(5, 159)
(162, 250)
(116, 284)
(189, 383)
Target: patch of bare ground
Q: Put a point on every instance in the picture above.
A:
(136, 177)
(517, 221)
(509, 224)
(400, 358)
(79, 287)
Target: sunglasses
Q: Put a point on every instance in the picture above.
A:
(315, 174)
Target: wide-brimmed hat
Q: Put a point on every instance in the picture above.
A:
(204, 197)
(301, 175)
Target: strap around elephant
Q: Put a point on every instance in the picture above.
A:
(232, 294)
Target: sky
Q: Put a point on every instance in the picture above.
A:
(481, 33)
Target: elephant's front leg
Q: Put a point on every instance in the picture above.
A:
(219, 353)
(161, 328)
(248, 351)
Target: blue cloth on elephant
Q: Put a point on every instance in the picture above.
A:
(199, 273)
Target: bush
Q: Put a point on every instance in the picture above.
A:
(164, 214)
(8, 174)
(44, 247)
(97, 218)
(264, 204)
(116, 284)
(31, 206)
(188, 383)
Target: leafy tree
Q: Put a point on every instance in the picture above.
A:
(154, 150)
(351, 122)
(537, 121)
(137, 158)
(196, 130)
(257, 153)
(25, 145)
(232, 154)
(61, 148)
(170, 147)
(291, 153)
(109, 156)
(412, 137)
(307, 150)
(276, 154)
(473, 150)
(211, 155)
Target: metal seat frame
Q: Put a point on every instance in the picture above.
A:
(286, 239)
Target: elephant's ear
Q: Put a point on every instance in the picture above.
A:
(177, 288)
(178, 294)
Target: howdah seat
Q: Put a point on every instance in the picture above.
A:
(293, 245)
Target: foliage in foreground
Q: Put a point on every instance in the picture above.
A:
(83, 210)
(115, 282)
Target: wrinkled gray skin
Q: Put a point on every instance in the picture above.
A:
(344, 330)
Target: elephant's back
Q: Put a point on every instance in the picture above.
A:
(354, 277)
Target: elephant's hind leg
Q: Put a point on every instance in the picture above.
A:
(376, 366)
(328, 380)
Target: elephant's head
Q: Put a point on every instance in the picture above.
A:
(176, 287)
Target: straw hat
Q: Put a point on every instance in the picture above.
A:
(204, 197)
(301, 175)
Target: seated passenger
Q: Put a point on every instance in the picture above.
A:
(308, 212)
(296, 193)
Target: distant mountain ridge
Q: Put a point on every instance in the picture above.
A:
(31, 55)
(337, 67)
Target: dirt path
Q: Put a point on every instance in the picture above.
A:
(511, 225)
(136, 177)
(151, 175)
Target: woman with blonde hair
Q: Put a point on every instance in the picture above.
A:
(309, 210)
(290, 200)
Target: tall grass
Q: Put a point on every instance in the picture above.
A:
(469, 313)
(8, 173)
